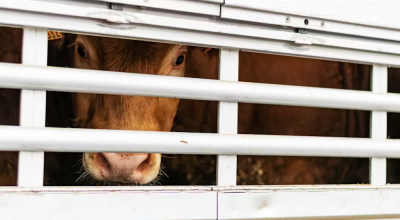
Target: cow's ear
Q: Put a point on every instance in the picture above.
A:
(57, 50)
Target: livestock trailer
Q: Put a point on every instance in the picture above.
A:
(357, 31)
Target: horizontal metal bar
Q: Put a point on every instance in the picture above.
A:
(199, 189)
(195, 30)
(304, 188)
(347, 41)
(260, 202)
(92, 140)
(200, 7)
(356, 11)
(358, 17)
(94, 189)
(215, 26)
(213, 1)
(80, 3)
(310, 204)
(298, 21)
(104, 205)
(105, 82)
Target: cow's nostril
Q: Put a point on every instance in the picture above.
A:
(101, 161)
(123, 167)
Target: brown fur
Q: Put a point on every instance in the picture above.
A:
(114, 111)
(123, 112)
(281, 120)
(303, 121)
(106, 111)
(110, 111)
(10, 52)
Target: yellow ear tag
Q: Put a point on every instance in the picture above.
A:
(53, 35)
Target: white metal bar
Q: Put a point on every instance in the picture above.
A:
(258, 203)
(379, 125)
(378, 171)
(199, 7)
(107, 204)
(81, 3)
(364, 12)
(346, 41)
(183, 21)
(228, 116)
(310, 203)
(94, 189)
(91, 81)
(360, 17)
(33, 108)
(201, 189)
(305, 188)
(213, 1)
(195, 30)
(95, 140)
(240, 202)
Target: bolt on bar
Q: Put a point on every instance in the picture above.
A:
(33, 108)
(378, 125)
(339, 16)
(227, 116)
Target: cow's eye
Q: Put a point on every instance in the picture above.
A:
(81, 51)
(179, 60)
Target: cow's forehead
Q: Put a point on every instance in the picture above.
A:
(132, 55)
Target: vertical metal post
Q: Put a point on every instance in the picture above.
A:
(33, 108)
(378, 125)
(228, 117)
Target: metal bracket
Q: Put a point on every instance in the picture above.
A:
(116, 7)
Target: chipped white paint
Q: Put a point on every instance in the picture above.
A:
(379, 125)
(197, 30)
(302, 40)
(117, 19)
(227, 117)
(107, 203)
(309, 203)
(106, 82)
(33, 108)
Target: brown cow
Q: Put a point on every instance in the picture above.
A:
(257, 119)
(284, 120)
(119, 112)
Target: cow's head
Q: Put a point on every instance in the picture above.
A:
(118, 112)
